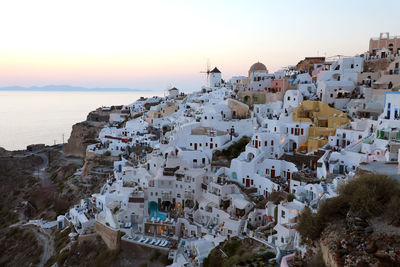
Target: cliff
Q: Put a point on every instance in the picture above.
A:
(82, 135)
(359, 227)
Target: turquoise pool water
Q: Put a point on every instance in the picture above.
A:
(154, 212)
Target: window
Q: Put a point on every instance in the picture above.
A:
(191, 144)
(272, 142)
(283, 214)
(388, 105)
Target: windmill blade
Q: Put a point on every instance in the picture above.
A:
(207, 71)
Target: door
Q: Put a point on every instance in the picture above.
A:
(195, 146)
(341, 169)
(272, 173)
(247, 182)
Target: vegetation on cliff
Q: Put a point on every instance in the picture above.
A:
(19, 247)
(233, 151)
(93, 252)
(369, 195)
(245, 252)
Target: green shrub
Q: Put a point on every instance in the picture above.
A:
(369, 194)
(309, 225)
(107, 153)
(234, 150)
(392, 213)
(231, 247)
(290, 197)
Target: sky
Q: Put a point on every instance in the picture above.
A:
(157, 44)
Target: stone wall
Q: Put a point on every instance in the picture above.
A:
(137, 250)
(111, 237)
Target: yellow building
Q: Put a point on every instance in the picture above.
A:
(239, 110)
(324, 121)
(160, 111)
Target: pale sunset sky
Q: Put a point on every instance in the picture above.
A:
(152, 44)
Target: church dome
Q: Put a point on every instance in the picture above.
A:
(258, 67)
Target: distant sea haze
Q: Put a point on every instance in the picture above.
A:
(68, 88)
(46, 116)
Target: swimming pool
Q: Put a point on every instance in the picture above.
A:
(154, 212)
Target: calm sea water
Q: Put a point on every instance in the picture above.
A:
(28, 117)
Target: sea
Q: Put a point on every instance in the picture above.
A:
(46, 117)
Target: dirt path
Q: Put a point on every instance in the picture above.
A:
(46, 241)
(41, 172)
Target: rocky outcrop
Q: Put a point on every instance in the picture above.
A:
(355, 243)
(82, 135)
(98, 116)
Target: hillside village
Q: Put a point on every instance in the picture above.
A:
(242, 157)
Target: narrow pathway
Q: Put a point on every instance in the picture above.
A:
(46, 241)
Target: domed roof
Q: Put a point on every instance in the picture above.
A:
(258, 67)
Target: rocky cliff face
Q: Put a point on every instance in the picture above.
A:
(82, 135)
(357, 241)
